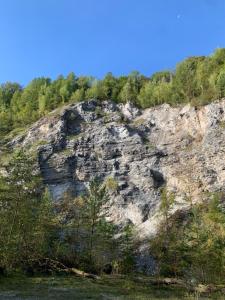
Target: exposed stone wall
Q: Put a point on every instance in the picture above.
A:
(181, 147)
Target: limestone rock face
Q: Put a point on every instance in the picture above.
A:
(182, 148)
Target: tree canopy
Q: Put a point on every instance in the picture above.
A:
(197, 80)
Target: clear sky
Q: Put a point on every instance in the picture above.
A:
(92, 37)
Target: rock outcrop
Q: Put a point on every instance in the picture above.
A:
(140, 151)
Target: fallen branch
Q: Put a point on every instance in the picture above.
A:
(57, 266)
(161, 281)
(83, 274)
(201, 289)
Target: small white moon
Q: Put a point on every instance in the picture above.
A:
(178, 16)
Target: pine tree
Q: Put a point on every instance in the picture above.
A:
(24, 214)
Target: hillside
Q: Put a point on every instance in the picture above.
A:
(119, 175)
(136, 152)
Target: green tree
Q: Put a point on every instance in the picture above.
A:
(131, 88)
(88, 238)
(126, 250)
(185, 78)
(160, 77)
(96, 91)
(192, 243)
(7, 90)
(110, 87)
(94, 202)
(78, 95)
(146, 95)
(220, 84)
(24, 215)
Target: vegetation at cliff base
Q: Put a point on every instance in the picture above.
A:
(74, 236)
(74, 288)
(40, 236)
(197, 80)
(191, 244)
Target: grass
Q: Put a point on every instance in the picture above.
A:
(39, 143)
(139, 122)
(70, 287)
(66, 152)
(15, 132)
(5, 158)
(222, 124)
(7, 137)
(111, 184)
(75, 137)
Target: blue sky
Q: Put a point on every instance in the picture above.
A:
(92, 37)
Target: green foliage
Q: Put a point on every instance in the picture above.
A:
(193, 244)
(220, 84)
(185, 78)
(24, 215)
(94, 221)
(33, 234)
(131, 88)
(107, 287)
(111, 184)
(197, 80)
(76, 232)
(88, 238)
(126, 261)
(167, 200)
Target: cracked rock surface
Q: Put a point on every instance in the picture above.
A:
(180, 147)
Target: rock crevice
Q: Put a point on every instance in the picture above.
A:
(180, 147)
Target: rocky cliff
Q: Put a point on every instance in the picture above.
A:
(137, 152)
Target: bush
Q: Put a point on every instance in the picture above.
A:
(192, 244)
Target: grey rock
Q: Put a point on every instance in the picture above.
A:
(182, 148)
